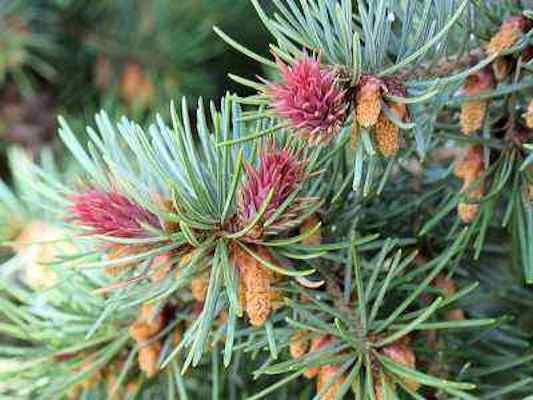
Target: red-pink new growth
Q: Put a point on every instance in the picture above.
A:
(310, 99)
(278, 170)
(110, 213)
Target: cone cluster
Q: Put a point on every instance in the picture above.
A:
(369, 113)
(314, 105)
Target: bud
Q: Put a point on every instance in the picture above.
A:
(472, 115)
(401, 353)
(147, 325)
(299, 344)
(501, 68)
(255, 291)
(508, 34)
(310, 99)
(136, 89)
(308, 224)
(186, 257)
(528, 116)
(368, 100)
(276, 296)
(326, 373)
(473, 111)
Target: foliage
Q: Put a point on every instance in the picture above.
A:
(316, 229)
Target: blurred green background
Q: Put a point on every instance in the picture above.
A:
(129, 57)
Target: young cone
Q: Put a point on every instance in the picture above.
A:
(255, 285)
(299, 344)
(111, 213)
(473, 111)
(280, 172)
(368, 100)
(387, 133)
(310, 99)
(508, 34)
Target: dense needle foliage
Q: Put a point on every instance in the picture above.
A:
(360, 226)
